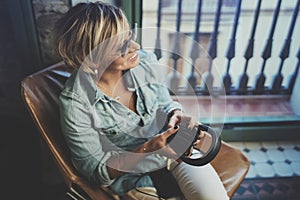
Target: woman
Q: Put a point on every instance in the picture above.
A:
(112, 107)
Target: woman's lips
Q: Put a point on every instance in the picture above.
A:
(133, 58)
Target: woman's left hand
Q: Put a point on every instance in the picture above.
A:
(177, 116)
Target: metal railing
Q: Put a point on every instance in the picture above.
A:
(242, 86)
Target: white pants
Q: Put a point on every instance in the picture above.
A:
(199, 183)
(196, 183)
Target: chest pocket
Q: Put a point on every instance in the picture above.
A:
(112, 132)
(105, 122)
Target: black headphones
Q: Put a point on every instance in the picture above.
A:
(185, 139)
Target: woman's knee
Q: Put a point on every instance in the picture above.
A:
(199, 182)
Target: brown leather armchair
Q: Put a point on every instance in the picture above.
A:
(40, 93)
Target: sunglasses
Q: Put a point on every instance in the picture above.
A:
(132, 37)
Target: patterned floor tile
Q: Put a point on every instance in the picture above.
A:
(275, 155)
(269, 145)
(292, 154)
(296, 168)
(257, 155)
(252, 173)
(283, 169)
(264, 170)
(253, 145)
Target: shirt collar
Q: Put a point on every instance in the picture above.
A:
(84, 85)
(128, 81)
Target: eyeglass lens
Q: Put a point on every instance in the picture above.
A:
(124, 48)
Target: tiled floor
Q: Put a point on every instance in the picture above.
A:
(272, 159)
(274, 173)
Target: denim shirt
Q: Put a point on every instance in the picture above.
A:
(97, 127)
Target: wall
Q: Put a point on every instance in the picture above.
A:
(22, 168)
(9, 65)
(47, 12)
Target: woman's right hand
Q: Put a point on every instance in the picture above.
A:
(159, 143)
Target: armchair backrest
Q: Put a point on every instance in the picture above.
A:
(40, 92)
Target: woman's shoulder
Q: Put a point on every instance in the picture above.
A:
(78, 87)
(147, 56)
(148, 62)
(150, 65)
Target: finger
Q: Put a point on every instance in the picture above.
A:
(171, 131)
(195, 123)
(173, 121)
(192, 122)
(201, 135)
(190, 152)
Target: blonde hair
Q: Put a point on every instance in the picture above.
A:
(83, 28)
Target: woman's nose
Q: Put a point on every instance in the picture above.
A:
(133, 46)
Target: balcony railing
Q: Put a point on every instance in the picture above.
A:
(214, 28)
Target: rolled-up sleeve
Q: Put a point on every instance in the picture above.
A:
(84, 141)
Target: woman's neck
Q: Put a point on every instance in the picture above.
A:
(111, 83)
(110, 78)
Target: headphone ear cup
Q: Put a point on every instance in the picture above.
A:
(183, 141)
(212, 151)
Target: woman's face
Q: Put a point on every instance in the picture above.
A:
(128, 58)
